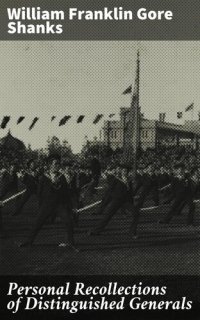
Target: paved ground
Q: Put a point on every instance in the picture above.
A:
(160, 249)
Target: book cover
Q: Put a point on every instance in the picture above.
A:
(99, 159)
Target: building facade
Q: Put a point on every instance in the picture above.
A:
(153, 133)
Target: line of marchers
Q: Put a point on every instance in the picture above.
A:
(117, 13)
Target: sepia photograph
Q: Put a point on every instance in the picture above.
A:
(99, 157)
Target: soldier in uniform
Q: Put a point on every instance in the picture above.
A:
(30, 179)
(8, 183)
(148, 185)
(79, 180)
(96, 172)
(12, 177)
(54, 198)
(115, 198)
(163, 177)
(2, 231)
(194, 189)
(136, 185)
(184, 191)
(3, 188)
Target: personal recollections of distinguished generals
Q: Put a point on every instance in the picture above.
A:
(61, 189)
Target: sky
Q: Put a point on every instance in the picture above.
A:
(58, 78)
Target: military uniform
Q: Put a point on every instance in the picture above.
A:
(79, 180)
(115, 198)
(54, 198)
(183, 193)
(7, 184)
(96, 173)
(148, 184)
(30, 180)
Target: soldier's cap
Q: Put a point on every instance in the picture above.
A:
(53, 157)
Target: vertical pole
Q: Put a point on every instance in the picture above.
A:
(192, 114)
(135, 117)
(124, 128)
(108, 133)
(99, 149)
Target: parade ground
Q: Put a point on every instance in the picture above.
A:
(160, 249)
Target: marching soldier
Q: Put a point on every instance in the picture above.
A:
(184, 191)
(96, 173)
(148, 184)
(12, 177)
(30, 179)
(164, 177)
(79, 179)
(54, 198)
(115, 198)
(7, 183)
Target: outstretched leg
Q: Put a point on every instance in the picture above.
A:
(2, 231)
(21, 203)
(44, 213)
(176, 209)
(190, 216)
(67, 217)
(112, 207)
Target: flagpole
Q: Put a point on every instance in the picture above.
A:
(108, 133)
(192, 114)
(135, 117)
(138, 114)
(99, 149)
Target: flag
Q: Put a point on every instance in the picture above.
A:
(33, 123)
(20, 119)
(162, 117)
(80, 119)
(4, 122)
(128, 90)
(98, 118)
(111, 115)
(64, 120)
(53, 118)
(179, 115)
(190, 107)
